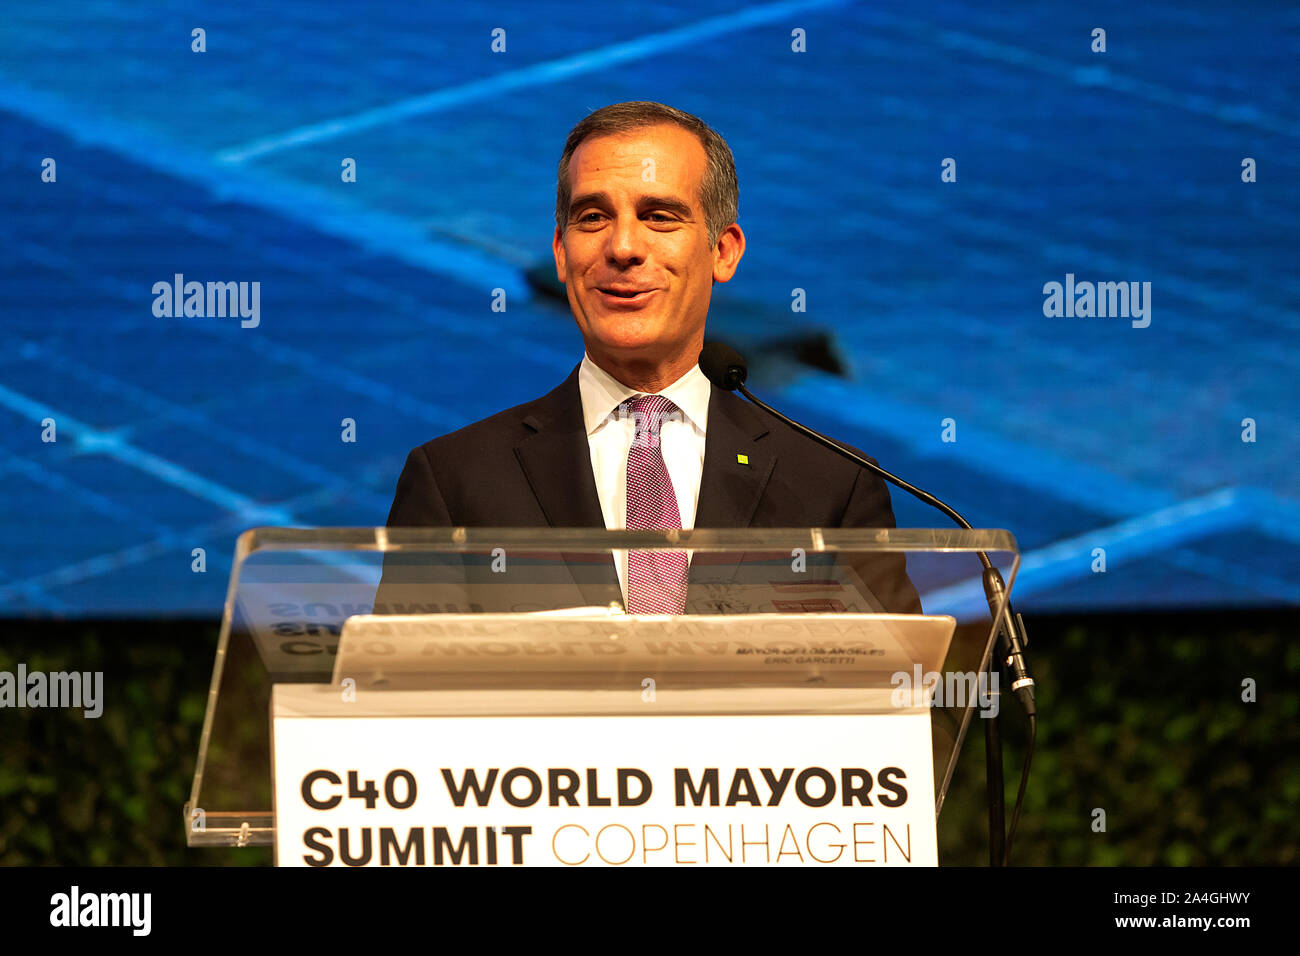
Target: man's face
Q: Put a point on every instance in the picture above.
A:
(635, 256)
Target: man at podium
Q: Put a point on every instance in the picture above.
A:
(637, 437)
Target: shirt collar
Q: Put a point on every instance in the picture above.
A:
(602, 393)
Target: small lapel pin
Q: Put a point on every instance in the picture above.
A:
(743, 459)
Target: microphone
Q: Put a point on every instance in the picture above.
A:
(724, 367)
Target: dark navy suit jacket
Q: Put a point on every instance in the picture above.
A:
(530, 466)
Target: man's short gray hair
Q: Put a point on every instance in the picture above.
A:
(720, 190)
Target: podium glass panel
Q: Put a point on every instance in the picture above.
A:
(459, 621)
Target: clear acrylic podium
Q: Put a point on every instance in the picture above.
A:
(888, 598)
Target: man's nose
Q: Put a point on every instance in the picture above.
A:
(626, 240)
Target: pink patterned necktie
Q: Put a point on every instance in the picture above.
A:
(656, 580)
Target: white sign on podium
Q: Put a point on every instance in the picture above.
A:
(442, 743)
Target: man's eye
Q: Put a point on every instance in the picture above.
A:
(661, 217)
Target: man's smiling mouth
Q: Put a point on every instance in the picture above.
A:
(624, 292)
(620, 297)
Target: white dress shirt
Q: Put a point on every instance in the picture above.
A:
(609, 437)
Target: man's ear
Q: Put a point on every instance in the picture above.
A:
(557, 248)
(727, 253)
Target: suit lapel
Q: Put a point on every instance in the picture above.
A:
(736, 469)
(556, 460)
